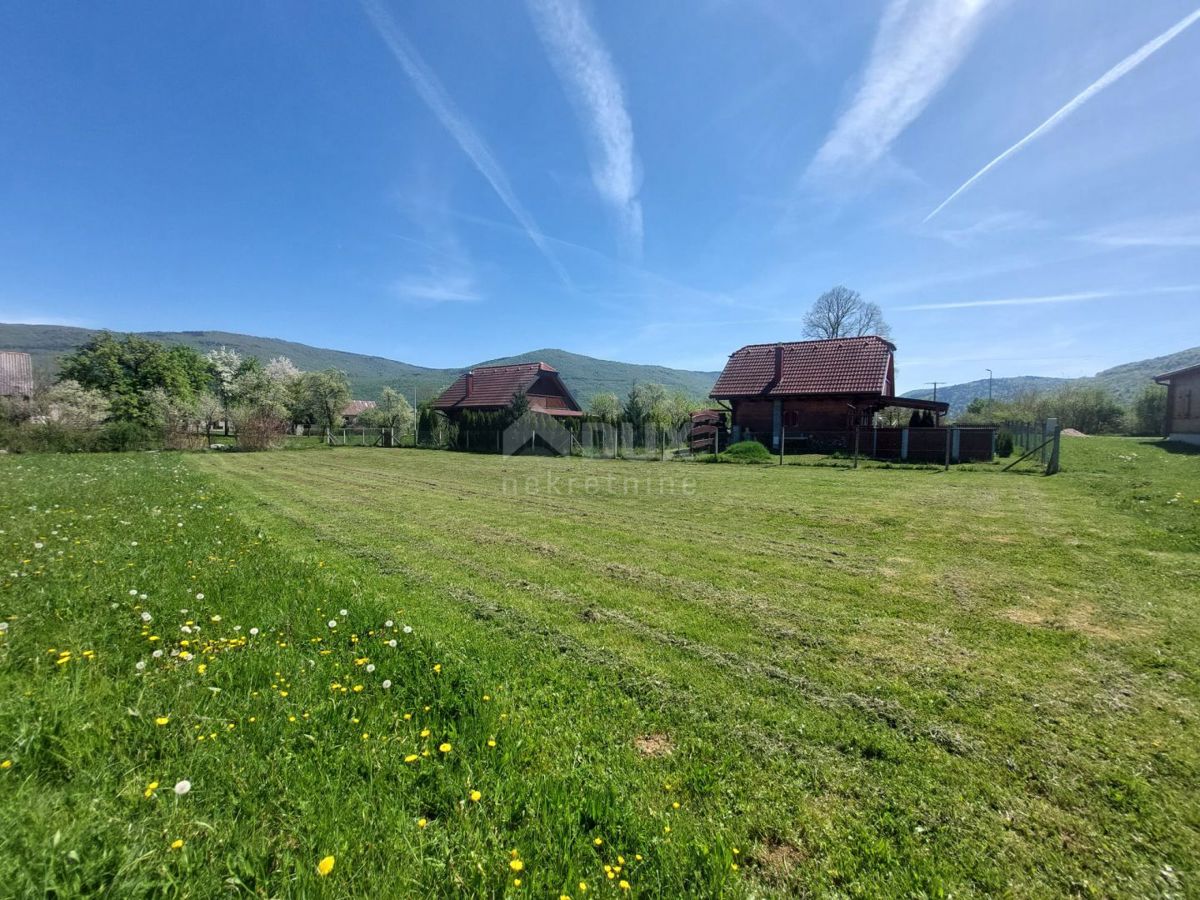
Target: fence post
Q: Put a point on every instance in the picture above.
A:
(782, 442)
(856, 429)
(947, 468)
(903, 444)
(1052, 465)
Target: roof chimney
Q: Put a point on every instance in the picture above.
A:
(470, 384)
(778, 363)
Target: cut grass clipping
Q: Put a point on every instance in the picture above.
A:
(651, 679)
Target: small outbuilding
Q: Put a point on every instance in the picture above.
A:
(16, 375)
(818, 391)
(1183, 404)
(491, 389)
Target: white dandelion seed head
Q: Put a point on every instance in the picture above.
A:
(186, 629)
(143, 596)
(237, 627)
(182, 787)
(38, 545)
(199, 596)
(408, 629)
(343, 613)
(332, 623)
(388, 624)
(146, 617)
(370, 667)
(216, 619)
(387, 683)
(253, 632)
(141, 664)
(133, 543)
(133, 593)
(157, 654)
(3, 627)
(392, 642)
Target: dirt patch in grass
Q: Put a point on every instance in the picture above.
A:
(1081, 618)
(654, 746)
(777, 860)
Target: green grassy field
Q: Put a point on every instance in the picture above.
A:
(696, 679)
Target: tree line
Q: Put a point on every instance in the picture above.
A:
(1087, 408)
(135, 385)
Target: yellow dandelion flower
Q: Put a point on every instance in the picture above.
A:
(516, 882)
(411, 758)
(424, 732)
(623, 885)
(598, 841)
(437, 667)
(476, 796)
(358, 688)
(675, 805)
(444, 747)
(666, 829)
(150, 789)
(421, 823)
(177, 844)
(162, 720)
(407, 716)
(202, 668)
(7, 764)
(325, 866)
(620, 859)
(491, 742)
(733, 866)
(516, 865)
(583, 887)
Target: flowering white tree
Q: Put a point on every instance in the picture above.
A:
(69, 403)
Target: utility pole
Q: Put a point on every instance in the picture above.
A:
(935, 387)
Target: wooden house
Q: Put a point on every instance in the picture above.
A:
(489, 389)
(1183, 404)
(811, 389)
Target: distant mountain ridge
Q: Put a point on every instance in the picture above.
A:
(1125, 381)
(584, 375)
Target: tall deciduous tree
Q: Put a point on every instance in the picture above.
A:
(841, 312)
(605, 407)
(127, 370)
(392, 411)
(323, 395)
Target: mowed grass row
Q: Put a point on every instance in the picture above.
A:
(739, 680)
(885, 681)
(191, 705)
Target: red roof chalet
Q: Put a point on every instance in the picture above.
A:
(492, 388)
(811, 386)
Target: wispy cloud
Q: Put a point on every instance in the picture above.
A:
(1170, 231)
(917, 48)
(1121, 69)
(995, 224)
(586, 70)
(452, 119)
(436, 287)
(1075, 297)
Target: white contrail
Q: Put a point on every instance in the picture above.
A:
(1056, 298)
(443, 107)
(1125, 66)
(916, 50)
(587, 72)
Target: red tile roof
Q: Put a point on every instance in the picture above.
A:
(493, 387)
(838, 366)
(16, 374)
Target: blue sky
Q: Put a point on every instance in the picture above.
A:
(651, 182)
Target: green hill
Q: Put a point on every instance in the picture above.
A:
(1124, 381)
(368, 375)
